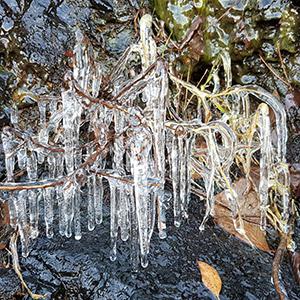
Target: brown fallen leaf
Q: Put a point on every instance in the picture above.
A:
(5, 229)
(4, 213)
(295, 179)
(210, 278)
(250, 211)
(295, 262)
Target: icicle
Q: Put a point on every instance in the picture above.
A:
(68, 207)
(14, 116)
(175, 155)
(8, 147)
(134, 254)
(33, 212)
(49, 195)
(59, 194)
(152, 197)
(96, 81)
(12, 211)
(140, 145)
(226, 59)
(124, 214)
(181, 172)
(43, 138)
(98, 199)
(51, 159)
(33, 194)
(119, 208)
(42, 109)
(148, 53)
(148, 45)
(52, 126)
(265, 162)
(283, 177)
(209, 177)
(53, 105)
(77, 213)
(77, 198)
(61, 210)
(119, 151)
(22, 157)
(113, 219)
(48, 211)
(20, 206)
(91, 207)
(189, 144)
(157, 105)
(162, 218)
(68, 116)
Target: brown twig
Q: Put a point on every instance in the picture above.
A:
(128, 179)
(17, 186)
(282, 65)
(273, 71)
(22, 136)
(134, 82)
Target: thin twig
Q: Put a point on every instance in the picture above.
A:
(282, 65)
(273, 71)
(17, 186)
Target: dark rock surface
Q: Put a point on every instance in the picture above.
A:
(37, 38)
(68, 269)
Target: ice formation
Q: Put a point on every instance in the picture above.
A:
(130, 144)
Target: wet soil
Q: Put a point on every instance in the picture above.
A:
(36, 37)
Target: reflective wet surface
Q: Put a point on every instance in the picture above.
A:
(68, 269)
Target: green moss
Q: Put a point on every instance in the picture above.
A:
(243, 29)
(289, 31)
(177, 15)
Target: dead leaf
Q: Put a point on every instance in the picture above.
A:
(5, 229)
(295, 179)
(210, 278)
(194, 39)
(295, 262)
(4, 213)
(250, 211)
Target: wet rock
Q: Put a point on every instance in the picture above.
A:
(9, 284)
(7, 24)
(40, 32)
(120, 41)
(66, 268)
(271, 9)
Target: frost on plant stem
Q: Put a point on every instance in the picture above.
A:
(136, 139)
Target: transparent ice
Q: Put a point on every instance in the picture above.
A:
(136, 141)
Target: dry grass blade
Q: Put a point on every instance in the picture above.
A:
(16, 266)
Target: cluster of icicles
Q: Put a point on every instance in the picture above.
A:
(146, 149)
